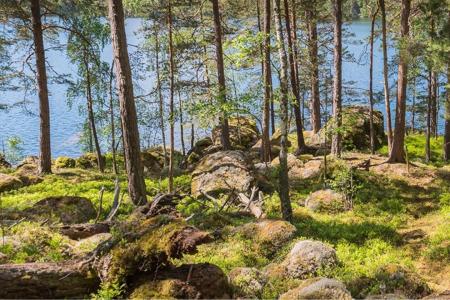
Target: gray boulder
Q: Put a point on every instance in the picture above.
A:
(325, 201)
(318, 288)
(247, 282)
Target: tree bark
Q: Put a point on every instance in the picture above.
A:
(286, 208)
(313, 57)
(111, 115)
(294, 84)
(45, 157)
(180, 101)
(434, 108)
(171, 100)
(221, 75)
(131, 143)
(447, 117)
(397, 154)
(387, 100)
(266, 155)
(91, 117)
(46, 280)
(372, 130)
(429, 109)
(160, 96)
(336, 143)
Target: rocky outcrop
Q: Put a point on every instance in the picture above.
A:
(270, 235)
(326, 201)
(307, 257)
(64, 209)
(318, 288)
(154, 161)
(9, 182)
(299, 170)
(356, 130)
(88, 161)
(243, 133)
(3, 163)
(222, 172)
(247, 283)
(201, 148)
(65, 162)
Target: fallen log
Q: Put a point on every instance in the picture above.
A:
(46, 280)
(251, 204)
(82, 231)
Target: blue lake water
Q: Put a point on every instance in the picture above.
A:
(66, 123)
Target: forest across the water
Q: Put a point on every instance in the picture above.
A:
(229, 149)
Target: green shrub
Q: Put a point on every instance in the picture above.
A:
(65, 162)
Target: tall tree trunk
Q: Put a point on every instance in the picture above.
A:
(372, 130)
(314, 61)
(192, 134)
(397, 153)
(429, 109)
(172, 91)
(131, 143)
(434, 109)
(294, 84)
(91, 117)
(413, 107)
(447, 117)
(180, 102)
(45, 157)
(336, 143)
(221, 74)
(387, 100)
(111, 116)
(286, 208)
(266, 155)
(160, 96)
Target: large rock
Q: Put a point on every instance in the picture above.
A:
(247, 283)
(65, 162)
(89, 161)
(270, 235)
(222, 172)
(299, 170)
(3, 162)
(153, 160)
(326, 201)
(201, 148)
(65, 209)
(9, 182)
(318, 288)
(356, 129)
(307, 257)
(243, 133)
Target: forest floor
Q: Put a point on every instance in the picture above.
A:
(400, 216)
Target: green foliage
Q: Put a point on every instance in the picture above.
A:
(109, 291)
(14, 149)
(416, 149)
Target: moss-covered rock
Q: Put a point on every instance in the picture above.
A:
(247, 282)
(3, 163)
(356, 129)
(325, 201)
(65, 162)
(64, 209)
(153, 160)
(318, 288)
(88, 161)
(243, 133)
(222, 172)
(270, 235)
(9, 182)
(307, 257)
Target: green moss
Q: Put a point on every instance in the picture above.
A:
(64, 162)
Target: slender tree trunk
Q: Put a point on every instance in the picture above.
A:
(45, 157)
(434, 110)
(162, 124)
(91, 117)
(272, 106)
(294, 84)
(413, 107)
(266, 155)
(171, 100)
(131, 143)
(192, 134)
(113, 126)
(372, 130)
(397, 153)
(447, 117)
(336, 143)
(387, 100)
(314, 61)
(286, 208)
(180, 102)
(221, 74)
(429, 109)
